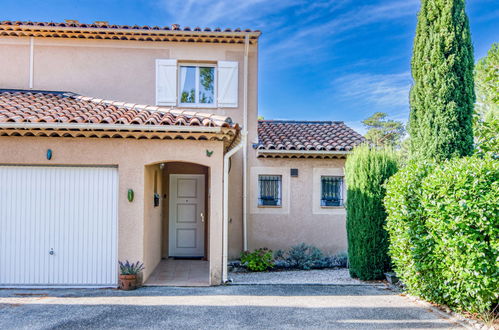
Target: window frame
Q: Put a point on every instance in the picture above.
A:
(279, 191)
(197, 82)
(341, 202)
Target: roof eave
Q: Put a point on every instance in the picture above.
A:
(114, 127)
(302, 152)
(255, 34)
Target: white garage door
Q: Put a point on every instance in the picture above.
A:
(58, 226)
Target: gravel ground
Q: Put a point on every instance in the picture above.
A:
(323, 277)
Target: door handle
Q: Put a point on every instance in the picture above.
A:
(202, 217)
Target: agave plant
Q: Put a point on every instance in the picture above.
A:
(127, 268)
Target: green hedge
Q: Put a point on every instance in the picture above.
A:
(443, 224)
(367, 169)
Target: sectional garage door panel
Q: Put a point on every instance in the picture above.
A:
(58, 226)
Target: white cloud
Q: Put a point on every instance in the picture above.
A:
(253, 14)
(384, 90)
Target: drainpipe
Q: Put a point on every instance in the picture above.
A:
(31, 61)
(225, 231)
(245, 146)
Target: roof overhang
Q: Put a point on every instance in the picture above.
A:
(302, 154)
(161, 132)
(133, 34)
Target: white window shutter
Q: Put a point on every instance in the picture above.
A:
(227, 84)
(166, 82)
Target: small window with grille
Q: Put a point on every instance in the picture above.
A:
(270, 190)
(332, 191)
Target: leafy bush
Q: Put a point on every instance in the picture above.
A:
(257, 261)
(127, 268)
(367, 169)
(444, 231)
(303, 256)
(410, 245)
(307, 257)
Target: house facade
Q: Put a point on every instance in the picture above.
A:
(143, 143)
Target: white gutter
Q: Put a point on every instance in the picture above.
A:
(31, 61)
(245, 147)
(303, 152)
(225, 231)
(112, 127)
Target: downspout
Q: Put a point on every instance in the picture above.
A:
(225, 231)
(245, 146)
(31, 61)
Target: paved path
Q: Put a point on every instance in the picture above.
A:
(260, 306)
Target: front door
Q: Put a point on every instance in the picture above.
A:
(187, 215)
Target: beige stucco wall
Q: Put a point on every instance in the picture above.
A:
(138, 221)
(125, 71)
(153, 217)
(300, 218)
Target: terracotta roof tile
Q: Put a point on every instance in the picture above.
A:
(22, 106)
(106, 25)
(306, 135)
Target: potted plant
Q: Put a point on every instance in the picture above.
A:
(128, 274)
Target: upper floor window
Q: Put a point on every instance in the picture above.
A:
(270, 190)
(197, 85)
(331, 191)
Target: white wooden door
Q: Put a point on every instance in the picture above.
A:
(187, 215)
(58, 226)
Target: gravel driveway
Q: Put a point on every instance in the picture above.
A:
(252, 306)
(338, 276)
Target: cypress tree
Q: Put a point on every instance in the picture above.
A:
(442, 96)
(367, 169)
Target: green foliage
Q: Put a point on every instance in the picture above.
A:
(302, 256)
(366, 171)
(127, 268)
(487, 134)
(443, 225)
(487, 82)
(382, 131)
(442, 96)
(486, 124)
(410, 246)
(259, 260)
(307, 257)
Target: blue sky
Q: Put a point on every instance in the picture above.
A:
(321, 60)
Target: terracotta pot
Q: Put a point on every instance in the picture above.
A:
(140, 279)
(128, 282)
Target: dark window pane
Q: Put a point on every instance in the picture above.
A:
(270, 190)
(331, 191)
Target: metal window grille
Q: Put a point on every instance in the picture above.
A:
(270, 190)
(332, 191)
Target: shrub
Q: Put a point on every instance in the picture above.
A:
(410, 246)
(303, 256)
(461, 200)
(307, 257)
(257, 261)
(444, 231)
(366, 171)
